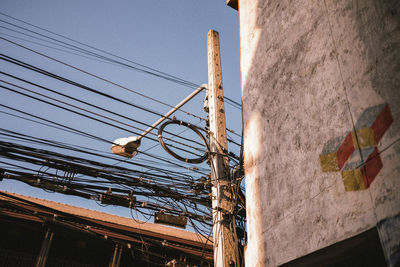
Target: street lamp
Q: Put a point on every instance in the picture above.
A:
(128, 146)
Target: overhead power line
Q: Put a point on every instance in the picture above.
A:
(97, 56)
(143, 68)
(87, 116)
(91, 74)
(92, 105)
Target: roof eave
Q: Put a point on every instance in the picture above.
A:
(233, 3)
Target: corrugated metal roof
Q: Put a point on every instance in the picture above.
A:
(114, 219)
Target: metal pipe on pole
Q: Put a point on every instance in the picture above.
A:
(128, 146)
(169, 113)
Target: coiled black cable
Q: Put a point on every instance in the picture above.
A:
(172, 153)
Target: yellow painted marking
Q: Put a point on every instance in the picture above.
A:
(329, 162)
(365, 138)
(353, 180)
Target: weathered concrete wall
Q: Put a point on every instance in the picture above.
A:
(312, 72)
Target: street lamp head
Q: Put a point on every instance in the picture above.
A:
(126, 147)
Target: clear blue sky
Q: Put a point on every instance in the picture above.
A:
(168, 35)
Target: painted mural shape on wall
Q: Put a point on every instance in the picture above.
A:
(356, 154)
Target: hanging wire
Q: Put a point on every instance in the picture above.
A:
(137, 66)
(163, 184)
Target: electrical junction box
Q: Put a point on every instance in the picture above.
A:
(174, 220)
(117, 200)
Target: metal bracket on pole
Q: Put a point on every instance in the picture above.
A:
(44, 250)
(116, 257)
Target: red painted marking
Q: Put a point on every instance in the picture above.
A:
(382, 123)
(373, 164)
(345, 150)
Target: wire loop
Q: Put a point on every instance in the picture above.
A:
(172, 153)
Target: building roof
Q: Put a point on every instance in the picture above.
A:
(233, 4)
(111, 221)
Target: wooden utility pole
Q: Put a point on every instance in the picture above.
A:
(224, 232)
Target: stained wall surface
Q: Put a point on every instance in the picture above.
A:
(321, 111)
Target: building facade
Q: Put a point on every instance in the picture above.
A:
(321, 111)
